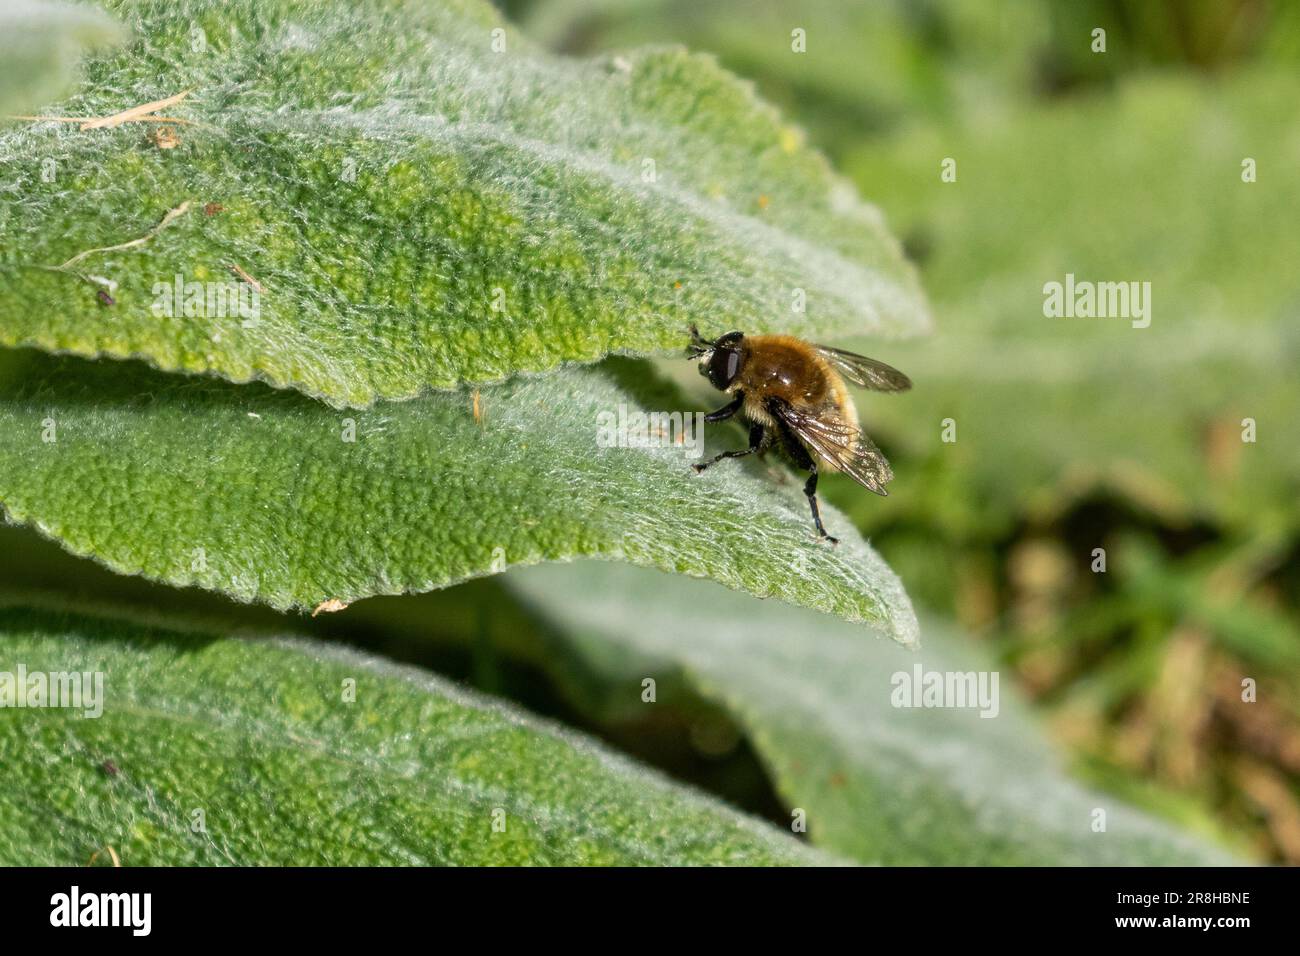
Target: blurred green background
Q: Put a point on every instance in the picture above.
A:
(1075, 434)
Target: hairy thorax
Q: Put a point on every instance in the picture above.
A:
(784, 367)
(776, 365)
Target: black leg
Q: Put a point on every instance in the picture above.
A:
(802, 459)
(810, 489)
(726, 411)
(756, 443)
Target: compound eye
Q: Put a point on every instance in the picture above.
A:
(723, 367)
(733, 364)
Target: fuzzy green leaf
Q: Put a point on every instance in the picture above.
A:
(260, 494)
(880, 783)
(418, 209)
(256, 735)
(40, 44)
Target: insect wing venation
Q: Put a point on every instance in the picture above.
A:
(839, 443)
(865, 372)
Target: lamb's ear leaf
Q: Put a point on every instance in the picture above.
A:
(886, 766)
(200, 748)
(270, 496)
(372, 198)
(40, 44)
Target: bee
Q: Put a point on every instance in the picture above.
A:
(794, 396)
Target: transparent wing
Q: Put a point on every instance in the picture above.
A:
(839, 443)
(866, 372)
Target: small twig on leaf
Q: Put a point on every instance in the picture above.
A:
(329, 606)
(82, 119)
(257, 286)
(111, 852)
(104, 283)
(172, 214)
(136, 114)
